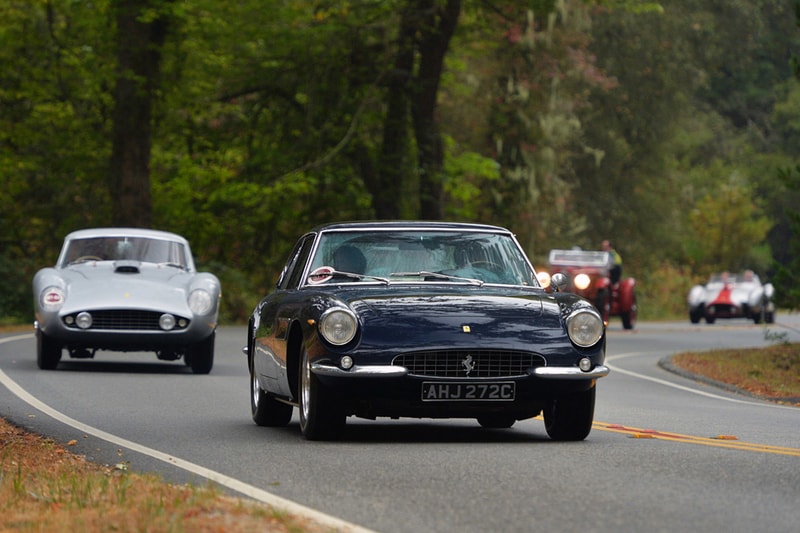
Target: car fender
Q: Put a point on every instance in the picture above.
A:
(602, 283)
(769, 291)
(696, 296)
(755, 298)
(626, 294)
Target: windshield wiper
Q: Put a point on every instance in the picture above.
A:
(173, 265)
(357, 276)
(438, 275)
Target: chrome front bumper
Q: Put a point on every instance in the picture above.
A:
(390, 371)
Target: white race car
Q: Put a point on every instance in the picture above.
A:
(732, 296)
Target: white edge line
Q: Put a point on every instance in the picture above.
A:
(684, 388)
(229, 482)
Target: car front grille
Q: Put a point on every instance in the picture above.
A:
(125, 319)
(469, 363)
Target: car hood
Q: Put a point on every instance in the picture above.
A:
(125, 284)
(480, 317)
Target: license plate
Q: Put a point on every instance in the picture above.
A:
(436, 391)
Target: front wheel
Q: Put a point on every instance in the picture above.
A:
(48, 351)
(570, 417)
(267, 411)
(200, 356)
(629, 316)
(321, 416)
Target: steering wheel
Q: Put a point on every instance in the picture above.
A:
(84, 258)
(487, 265)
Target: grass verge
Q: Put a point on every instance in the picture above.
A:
(771, 373)
(44, 487)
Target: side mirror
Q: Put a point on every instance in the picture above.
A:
(558, 282)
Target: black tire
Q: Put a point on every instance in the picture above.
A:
(769, 317)
(629, 317)
(48, 351)
(496, 421)
(200, 356)
(570, 418)
(602, 302)
(321, 417)
(267, 411)
(710, 319)
(695, 316)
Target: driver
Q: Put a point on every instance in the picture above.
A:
(616, 269)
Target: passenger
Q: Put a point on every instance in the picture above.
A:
(348, 258)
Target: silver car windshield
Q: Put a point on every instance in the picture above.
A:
(118, 248)
(459, 257)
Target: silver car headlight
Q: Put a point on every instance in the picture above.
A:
(584, 327)
(338, 326)
(200, 301)
(51, 299)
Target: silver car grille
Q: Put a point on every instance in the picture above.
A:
(127, 320)
(469, 363)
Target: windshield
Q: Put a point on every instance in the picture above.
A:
(116, 248)
(425, 255)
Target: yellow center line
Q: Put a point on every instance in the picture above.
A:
(721, 441)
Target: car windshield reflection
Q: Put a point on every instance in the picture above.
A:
(146, 250)
(413, 256)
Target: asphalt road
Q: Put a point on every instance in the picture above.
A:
(666, 453)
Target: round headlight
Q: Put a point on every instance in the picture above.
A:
(582, 281)
(338, 326)
(84, 320)
(166, 322)
(200, 301)
(51, 299)
(544, 278)
(584, 327)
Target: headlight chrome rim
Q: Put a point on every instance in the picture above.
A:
(585, 327)
(166, 322)
(338, 326)
(84, 320)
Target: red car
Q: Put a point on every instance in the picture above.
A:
(589, 275)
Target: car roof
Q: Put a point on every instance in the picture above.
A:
(408, 225)
(125, 232)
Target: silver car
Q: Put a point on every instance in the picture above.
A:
(126, 289)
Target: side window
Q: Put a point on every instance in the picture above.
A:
(290, 278)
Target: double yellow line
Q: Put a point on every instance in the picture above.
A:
(720, 441)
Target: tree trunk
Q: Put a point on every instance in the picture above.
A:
(139, 55)
(395, 166)
(437, 30)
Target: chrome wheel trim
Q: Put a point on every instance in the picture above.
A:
(255, 391)
(305, 389)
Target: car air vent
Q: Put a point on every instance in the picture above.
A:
(469, 363)
(126, 267)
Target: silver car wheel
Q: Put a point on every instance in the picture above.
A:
(305, 390)
(255, 392)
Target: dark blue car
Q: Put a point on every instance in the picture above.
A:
(421, 319)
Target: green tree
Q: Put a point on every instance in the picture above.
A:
(727, 225)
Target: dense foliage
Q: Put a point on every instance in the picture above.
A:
(661, 126)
